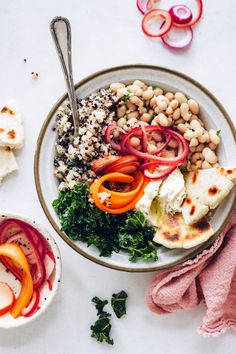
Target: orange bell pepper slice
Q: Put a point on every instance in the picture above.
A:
(16, 255)
(120, 202)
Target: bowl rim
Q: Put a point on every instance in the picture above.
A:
(58, 269)
(38, 184)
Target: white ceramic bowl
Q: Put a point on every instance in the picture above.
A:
(7, 321)
(212, 113)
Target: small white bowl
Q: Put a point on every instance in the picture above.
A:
(7, 321)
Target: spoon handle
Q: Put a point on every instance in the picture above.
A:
(61, 34)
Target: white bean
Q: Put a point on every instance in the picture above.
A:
(179, 121)
(173, 144)
(181, 97)
(134, 114)
(115, 86)
(176, 113)
(212, 146)
(199, 164)
(194, 124)
(204, 138)
(134, 88)
(136, 100)
(153, 102)
(195, 157)
(182, 128)
(209, 155)
(120, 92)
(157, 110)
(214, 138)
(193, 142)
(151, 148)
(174, 103)
(200, 147)
(205, 165)
(132, 122)
(162, 120)
(130, 106)
(116, 133)
(134, 141)
(189, 134)
(163, 98)
(151, 112)
(148, 94)
(157, 137)
(199, 131)
(142, 110)
(193, 106)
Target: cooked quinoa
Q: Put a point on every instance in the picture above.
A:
(74, 155)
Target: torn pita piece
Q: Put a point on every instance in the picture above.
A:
(11, 128)
(8, 162)
(205, 190)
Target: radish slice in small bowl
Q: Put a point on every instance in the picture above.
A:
(181, 14)
(178, 38)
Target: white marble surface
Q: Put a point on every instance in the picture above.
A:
(105, 33)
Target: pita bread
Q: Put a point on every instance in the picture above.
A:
(8, 162)
(11, 128)
(205, 190)
(174, 233)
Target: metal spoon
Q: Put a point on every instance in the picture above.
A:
(61, 34)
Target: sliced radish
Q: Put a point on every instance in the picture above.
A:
(178, 38)
(49, 265)
(7, 298)
(33, 305)
(151, 19)
(181, 14)
(142, 5)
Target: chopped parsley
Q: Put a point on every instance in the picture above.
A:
(118, 303)
(218, 132)
(82, 220)
(126, 95)
(99, 304)
(183, 169)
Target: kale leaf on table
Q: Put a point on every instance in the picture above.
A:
(118, 303)
(102, 327)
(82, 220)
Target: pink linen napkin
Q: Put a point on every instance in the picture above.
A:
(209, 277)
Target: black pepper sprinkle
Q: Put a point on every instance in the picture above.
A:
(25, 60)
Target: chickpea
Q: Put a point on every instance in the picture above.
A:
(162, 105)
(162, 120)
(139, 83)
(116, 86)
(176, 113)
(214, 138)
(180, 97)
(134, 114)
(209, 155)
(130, 106)
(136, 100)
(193, 106)
(174, 103)
(148, 94)
(169, 110)
(169, 95)
(134, 141)
(182, 128)
(173, 144)
(121, 122)
(121, 111)
(205, 165)
(158, 91)
(193, 142)
(146, 117)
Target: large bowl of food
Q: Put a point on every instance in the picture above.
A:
(148, 182)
